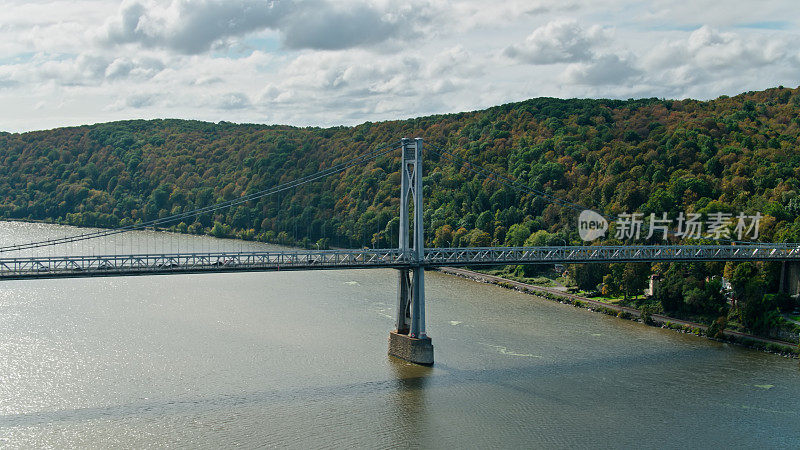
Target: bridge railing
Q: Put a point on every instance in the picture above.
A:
(106, 265)
(142, 264)
(609, 253)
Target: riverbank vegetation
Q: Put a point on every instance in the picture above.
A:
(643, 312)
(749, 301)
(692, 292)
(730, 155)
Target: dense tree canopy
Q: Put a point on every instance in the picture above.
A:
(729, 154)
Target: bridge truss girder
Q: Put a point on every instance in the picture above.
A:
(181, 263)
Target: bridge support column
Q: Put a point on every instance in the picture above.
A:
(409, 341)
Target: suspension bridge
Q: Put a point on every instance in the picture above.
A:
(409, 340)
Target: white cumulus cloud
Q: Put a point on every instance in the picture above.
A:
(560, 41)
(603, 70)
(192, 27)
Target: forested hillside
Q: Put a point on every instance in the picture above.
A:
(732, 155)
(729, 154)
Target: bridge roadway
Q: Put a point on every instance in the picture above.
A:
(216, 262)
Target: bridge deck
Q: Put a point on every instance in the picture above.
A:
(178, 263)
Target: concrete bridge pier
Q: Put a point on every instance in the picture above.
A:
(409, 341)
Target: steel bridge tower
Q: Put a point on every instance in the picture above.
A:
(409, 341)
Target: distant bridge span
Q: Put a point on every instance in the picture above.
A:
(217, 262)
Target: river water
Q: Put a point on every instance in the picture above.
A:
(298, 359)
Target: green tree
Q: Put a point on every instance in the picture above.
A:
(458, 237)
(517, 235)
(669, 290)
(630, 279)
(221, 230)
(716, 329)
(538, 238)
(588, 276)
(485, 222)
(478, 238)
(611, 285)
(444, 236)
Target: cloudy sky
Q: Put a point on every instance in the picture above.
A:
(342, 62)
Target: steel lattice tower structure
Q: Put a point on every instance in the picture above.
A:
(410, 341)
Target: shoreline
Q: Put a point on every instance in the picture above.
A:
(770, 345)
